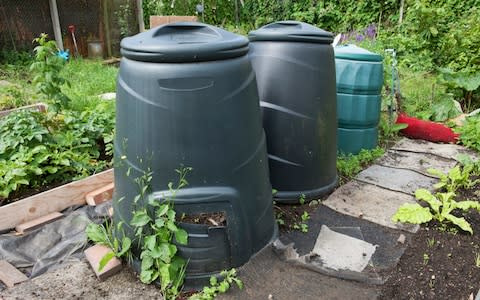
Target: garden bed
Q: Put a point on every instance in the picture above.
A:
(440, 262)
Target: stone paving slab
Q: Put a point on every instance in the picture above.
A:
(330, 247)
(449, 151)
(371, 203)
(419, 162)
(400, 180)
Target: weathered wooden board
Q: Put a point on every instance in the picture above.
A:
(161, 20)
(53, 200)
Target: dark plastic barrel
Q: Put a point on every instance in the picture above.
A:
(295, 68)
(187, 95)
(359, 86)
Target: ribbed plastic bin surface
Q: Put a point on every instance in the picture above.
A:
(359, 85)
(187, 95)
(295, 68)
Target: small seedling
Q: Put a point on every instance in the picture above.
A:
(477, 259)
(302, 199)
(426, 258)
(430, 242)
(216, 287)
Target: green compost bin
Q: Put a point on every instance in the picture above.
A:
(295, 68)
(187, 95)
(359, 75)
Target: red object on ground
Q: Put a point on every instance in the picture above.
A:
(426, 130)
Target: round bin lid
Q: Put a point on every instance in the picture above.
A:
(353, 52)
(291, 31)
(184, 42)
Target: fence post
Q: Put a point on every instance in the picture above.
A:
(56, 24)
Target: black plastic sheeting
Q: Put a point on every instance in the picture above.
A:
(45, 248)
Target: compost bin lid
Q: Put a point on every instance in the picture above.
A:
(184, 42)
(291, 31)
(353, 52)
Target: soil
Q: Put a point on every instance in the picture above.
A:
(213, 219)
(440, 262)
(289, 216)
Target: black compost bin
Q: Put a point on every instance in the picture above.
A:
(295, 68)
(187, 95)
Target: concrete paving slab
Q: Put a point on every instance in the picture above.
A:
(419, 162)
(449, 151)
(341, 252)
(400, 180)
(266, 276)
(371, 203)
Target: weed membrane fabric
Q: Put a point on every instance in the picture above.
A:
(43, 249)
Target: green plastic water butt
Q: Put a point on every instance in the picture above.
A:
(352, 141)
(359, 75)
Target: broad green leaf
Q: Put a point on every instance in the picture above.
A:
(466, 205)
(97, 233)
(412, 213)
(164, 271)
(460, 222)
(223, 287)
(455, 173)
(105, 259)
(150, 241)
(162, 251)
(171, 214)
(181, 236)
(162, 210)
(160, 222)
(146, 276)
(425, 195)
(126, 244)
(171, 226)
(213, 280)
(147, 261)
(140, 218)
(435, 172)
(239, 283)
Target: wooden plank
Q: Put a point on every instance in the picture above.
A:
(41, 107)
(100, 195)
(162, 20)
(34, 224)
(10, 275)
(56, 199)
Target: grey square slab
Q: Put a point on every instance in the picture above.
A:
(341, 252)
(400, 180)
(449, 151)
(371, 203)
(419, 162)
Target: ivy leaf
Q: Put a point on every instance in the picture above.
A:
(460, 222)
(181, 236)
(412, 213)
(105, 259)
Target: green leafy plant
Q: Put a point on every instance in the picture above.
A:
(302, 225)
(440, 207)
(470, 133)
(104, 234)
(390, 130)
(218, 287)
(155, 229)
(47, 66)
(302, 199)
(431, 242)
(477, 260)
(457, 177)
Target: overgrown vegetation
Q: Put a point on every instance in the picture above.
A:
(72, 140)
(350, 165)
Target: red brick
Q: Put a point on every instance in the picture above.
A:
(100, 195)
(95, 254)
(10, 275)
(34, 224)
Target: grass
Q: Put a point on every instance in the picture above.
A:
(88, 79)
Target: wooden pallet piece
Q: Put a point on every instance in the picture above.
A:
(53, 200)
